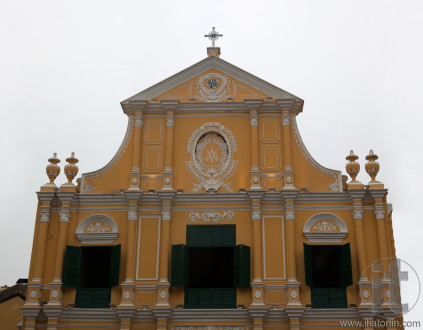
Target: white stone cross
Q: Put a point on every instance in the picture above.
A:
(213, 36)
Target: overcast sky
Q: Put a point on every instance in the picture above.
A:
(66, 65)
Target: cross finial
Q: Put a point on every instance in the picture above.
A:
(213, 35)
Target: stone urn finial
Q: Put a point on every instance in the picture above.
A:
(352, 166)
(372, 166)
(53, 169)
(71, 170)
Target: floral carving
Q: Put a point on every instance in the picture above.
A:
(324, 227)
(211, 216)
(98, 227)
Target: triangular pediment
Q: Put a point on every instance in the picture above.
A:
(212, 80)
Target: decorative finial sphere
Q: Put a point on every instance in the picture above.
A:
(372, 166)
(53, 169)
(71, 170)
(352, 166)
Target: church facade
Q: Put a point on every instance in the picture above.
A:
(211, 215)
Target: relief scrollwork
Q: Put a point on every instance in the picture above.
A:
(211, 216)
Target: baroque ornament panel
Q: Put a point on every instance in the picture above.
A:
(325, 228)
(97, 229)
(211, 216)
(211, 148)
(212, 87)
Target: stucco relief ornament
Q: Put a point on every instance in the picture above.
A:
(211, 216)
(98, 227)
(212, 87)
(211, 148)
(325, 227)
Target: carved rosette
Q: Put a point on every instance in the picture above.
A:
(211, 148)
(352, 167)
(372, 166)
(71, 170)
(52, 169)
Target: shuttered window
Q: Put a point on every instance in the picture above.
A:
(93, 271)
(242, 258)
(72, 267)
(177, 268)
(210, 266)
(328, 272)
(211, 235)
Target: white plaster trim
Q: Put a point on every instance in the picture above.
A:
(337, 175)
(208, 63)
(86, 177)
(264, 248)
(325, 237)
(137, 277)
(97, 237)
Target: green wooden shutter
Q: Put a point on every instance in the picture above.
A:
(308, 265)
(242, 270)
(329, 297)
(211, 235)
(72, 267)
(346, 268)
(177, 272)
(114, 266)
(92, 298)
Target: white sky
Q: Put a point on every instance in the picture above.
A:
(66, 65)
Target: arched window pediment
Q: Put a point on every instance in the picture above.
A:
(97, 229)
(325, 228)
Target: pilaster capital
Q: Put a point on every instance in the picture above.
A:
(358, 213)
(65, 215)
(290, 213)
(170, 119)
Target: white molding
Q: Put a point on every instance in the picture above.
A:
(264, 248)
(97, 237)
(334, 234)
(137, 276)
(206, 64)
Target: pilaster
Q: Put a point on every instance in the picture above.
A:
(288, 177)
(135, 174)
(253, 105)
(257, 283)
(170, 106)
(128, 286)
(162, 298)
(55, 295)
(293, 285)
